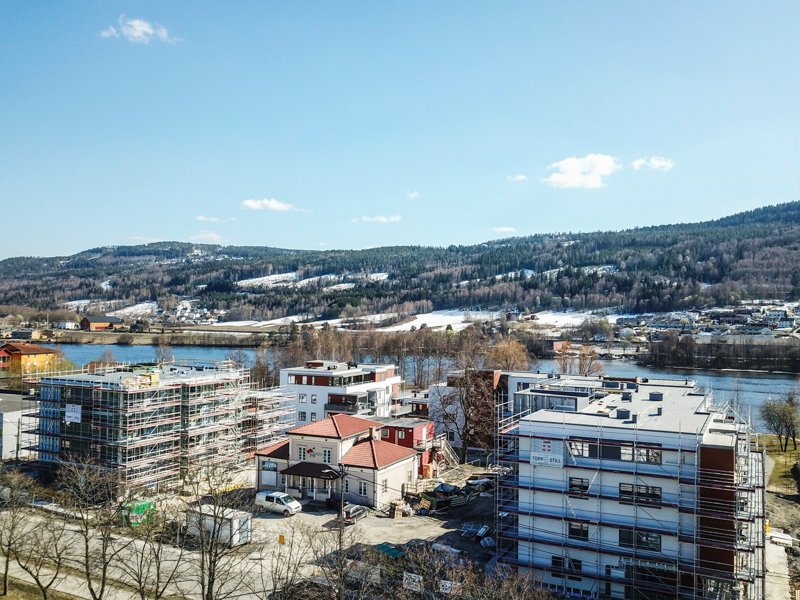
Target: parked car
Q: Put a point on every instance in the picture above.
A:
(278, 502)
(352, 513)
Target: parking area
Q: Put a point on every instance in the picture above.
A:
(378, 528)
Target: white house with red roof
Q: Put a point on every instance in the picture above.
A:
(309, 462)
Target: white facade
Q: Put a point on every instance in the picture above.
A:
(644, 490)
(323, 388)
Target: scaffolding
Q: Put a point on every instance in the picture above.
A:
(718, 538)
(152, 425)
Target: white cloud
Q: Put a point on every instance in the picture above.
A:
(517, 178)
(270, 204)
(138, 31)
(379, 219)
(412, 195)
(582, 172)
(504, 230)
(206, 237)
(655, 163)
(207, 219)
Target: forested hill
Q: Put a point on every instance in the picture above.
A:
(755, 254)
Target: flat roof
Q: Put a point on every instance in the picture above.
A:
(681, 408)
(337, 368)
(409, 422)
(127, 377)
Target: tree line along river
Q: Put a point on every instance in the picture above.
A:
(753, 388)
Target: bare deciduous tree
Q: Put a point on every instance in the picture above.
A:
(91, 495)
(152, 564)
(43, 549)
(215, 565)
(508, 355)
(16, 491)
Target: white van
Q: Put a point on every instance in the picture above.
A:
(278, 502)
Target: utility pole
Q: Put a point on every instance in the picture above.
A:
(340, 559)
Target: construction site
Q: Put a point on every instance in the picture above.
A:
(630, 489)
(152, 425)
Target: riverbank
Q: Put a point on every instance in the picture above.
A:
(169, 338)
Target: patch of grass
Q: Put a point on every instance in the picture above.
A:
(784, 461)
(22, 590)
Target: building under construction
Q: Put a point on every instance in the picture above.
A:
(151, 425)
(630, 489)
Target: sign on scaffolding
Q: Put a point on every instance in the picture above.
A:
(547, 459)
(72, 413)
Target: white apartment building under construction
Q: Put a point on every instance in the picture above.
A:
(630, 489)
(151, 425)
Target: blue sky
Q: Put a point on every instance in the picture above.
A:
(353, 124)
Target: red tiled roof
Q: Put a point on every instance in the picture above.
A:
(336, 426)
(276, 450)
(21, 348)
(375, 454)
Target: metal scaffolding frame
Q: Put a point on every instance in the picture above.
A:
(151, 425)
(645, 574)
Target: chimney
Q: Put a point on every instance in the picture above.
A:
(373, 433)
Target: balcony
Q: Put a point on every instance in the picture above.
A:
(348, 408)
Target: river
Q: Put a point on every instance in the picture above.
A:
(753, 388)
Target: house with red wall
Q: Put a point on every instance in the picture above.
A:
(419, 434)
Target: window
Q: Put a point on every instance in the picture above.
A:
(313, 398)
(643, 494)
(401, 435)
(578, 485)
(302, 398)
(451, 436)
(301, 453)
(574, 566)
(639, 540)
(385, 433)
(557, 562)
(313, 416)
(648, 455)
(362, 488)
(578, 531)
(326, 456)
(385, 485)
(582, 448)
(301, 416)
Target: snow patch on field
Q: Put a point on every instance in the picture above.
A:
(268, 280)
(76, 304)
(263, 324)
(440, 319)
(339, 287)
(137, 310)
(572, 318)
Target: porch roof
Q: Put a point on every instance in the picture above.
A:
(309, 469)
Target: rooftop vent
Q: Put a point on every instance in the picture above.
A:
(656, 396)
(657, 412)
(627, 396)
(623, 414)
